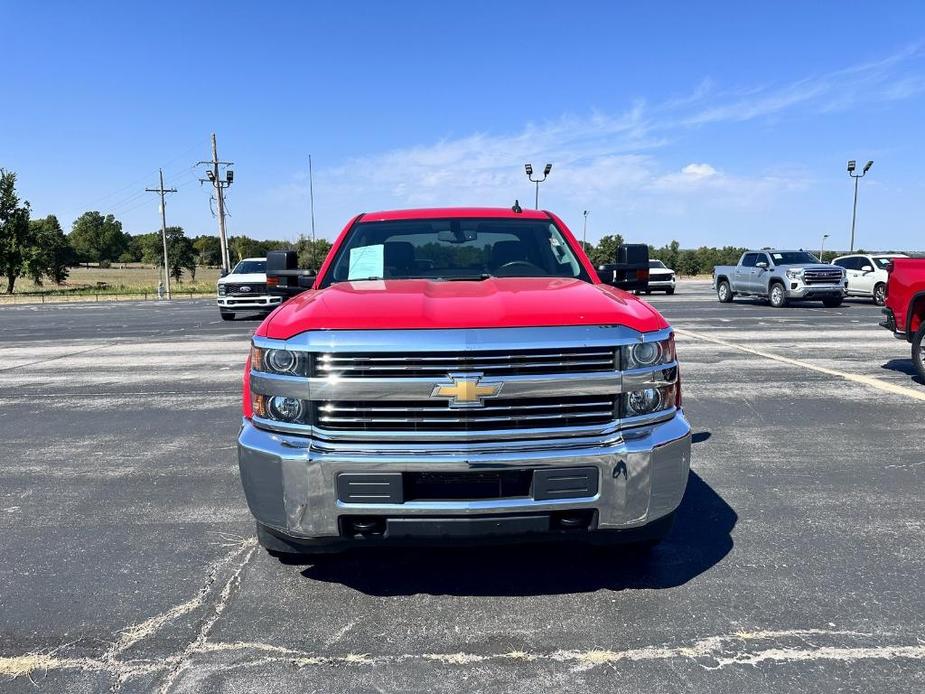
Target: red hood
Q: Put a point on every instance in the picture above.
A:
(493, 303)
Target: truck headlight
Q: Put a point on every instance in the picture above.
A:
(286, 409)
(221, 290)
(280, 408)
(649, 400)
(794, 274)
(280, 361)
(643, 354)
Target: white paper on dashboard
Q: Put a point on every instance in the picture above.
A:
(366, 262)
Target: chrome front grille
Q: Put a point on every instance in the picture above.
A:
(490, 363)
(822, 276)
(397, 386)
(498, 413)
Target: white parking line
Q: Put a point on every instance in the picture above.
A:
(857, 378)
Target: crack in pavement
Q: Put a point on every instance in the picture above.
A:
(202, 634)
(123, 669)
(709, 653)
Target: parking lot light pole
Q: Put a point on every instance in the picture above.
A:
(529, 169)
(822, 248)
(856, 176)
(584, 233)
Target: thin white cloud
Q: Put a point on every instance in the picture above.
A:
(699, 171)
(615, 164)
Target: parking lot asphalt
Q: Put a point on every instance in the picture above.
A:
(796, 563)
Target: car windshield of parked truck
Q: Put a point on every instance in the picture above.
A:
(793, 258)
(454, 249)
(657, 265)
(250, 267)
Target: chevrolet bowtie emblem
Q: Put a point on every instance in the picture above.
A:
(467, 390)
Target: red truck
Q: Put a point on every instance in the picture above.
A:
(460, 374)
(905, 306)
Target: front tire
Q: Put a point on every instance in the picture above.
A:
(918, 351)
(227, 315)
(669, 291)
(834, 302)
(777, 295)
(724, 292)
(880, 294)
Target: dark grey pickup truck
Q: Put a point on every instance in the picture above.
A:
(780, 277)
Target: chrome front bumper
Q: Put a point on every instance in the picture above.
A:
(263, 301)
(814, 291)
(291, 482)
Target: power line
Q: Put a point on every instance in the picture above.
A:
(131, 186)
(130, 202)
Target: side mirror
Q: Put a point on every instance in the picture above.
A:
(761, 265)
(224, 273)
(867, 268)
(631, 269)
(284, 278)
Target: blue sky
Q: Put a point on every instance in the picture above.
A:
(727, 123)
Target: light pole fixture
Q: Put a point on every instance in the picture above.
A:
(529, 169)
(584, 234)
(852, 165)
(822, 248)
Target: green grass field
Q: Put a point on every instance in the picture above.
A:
(120, 280)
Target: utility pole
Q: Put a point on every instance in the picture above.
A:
(162, 191)
(584, 234)
(311, 201)
(213, 176)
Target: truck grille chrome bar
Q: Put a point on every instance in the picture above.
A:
(384, 365)
(411, 416)
(822, 276)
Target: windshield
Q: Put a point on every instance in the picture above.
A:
(657, 265)
(882, 261)
(454, 249)
(793, 258)
(250, 267)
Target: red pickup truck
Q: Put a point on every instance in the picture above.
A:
(461, 374)
(905, 306)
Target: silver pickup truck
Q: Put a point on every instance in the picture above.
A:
(781, 277)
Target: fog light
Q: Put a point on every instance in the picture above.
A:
(643, 401)
(286, 409)
(281, 360)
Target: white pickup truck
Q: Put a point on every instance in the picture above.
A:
(245, 289)
(780, 277)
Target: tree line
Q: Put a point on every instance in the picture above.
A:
(40, 250)
(684, 261)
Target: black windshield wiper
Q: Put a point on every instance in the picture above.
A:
(467, 278)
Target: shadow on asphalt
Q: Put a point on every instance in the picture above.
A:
(701, 537)
(904, 366)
